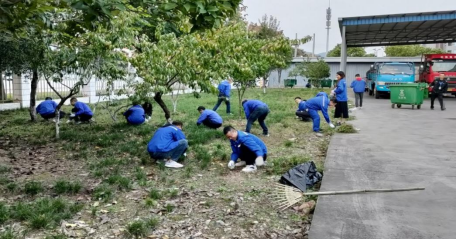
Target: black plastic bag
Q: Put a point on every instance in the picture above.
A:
(302, 176)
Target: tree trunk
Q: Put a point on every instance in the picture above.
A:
(3, 95)
(34, 85)
(158, 99)
(279, 74)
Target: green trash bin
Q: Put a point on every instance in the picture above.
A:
(407, 94)
(290, 82)
(327, 83)
(424, 86)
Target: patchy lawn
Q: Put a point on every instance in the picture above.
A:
(98, 181)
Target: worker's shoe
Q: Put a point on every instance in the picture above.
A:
(442, 109)
(240, 164)
(318, 134)
(249, 169)
(432, 108)
(173, 164)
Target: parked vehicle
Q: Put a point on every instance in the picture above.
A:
(432, 65)
(385, 74)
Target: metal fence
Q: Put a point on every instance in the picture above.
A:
(69, 81)
(103, 87)
(6, 87)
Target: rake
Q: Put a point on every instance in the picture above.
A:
(286, 196)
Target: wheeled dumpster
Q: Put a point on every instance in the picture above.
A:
(327, 83)
(290, 82)
(407, 94)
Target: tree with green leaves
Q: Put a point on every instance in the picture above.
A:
(410, 51)
(314, 71)
(351, 51)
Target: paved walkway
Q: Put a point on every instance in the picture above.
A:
(396, 148)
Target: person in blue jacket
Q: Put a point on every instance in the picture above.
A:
(358, 85)
(135, 115)
(319, 103)
(47, 109)
(81, 112)
(224, 89)
(301, 112)
(209, 118)
(256, 110)
(341, 110)
(168, 144)
(251, 151)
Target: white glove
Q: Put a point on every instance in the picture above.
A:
(259, 161)
(332, 92)
(331, 125)
(72, 115)
(227, 99)
(231, 164)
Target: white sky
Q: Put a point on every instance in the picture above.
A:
(306, 17)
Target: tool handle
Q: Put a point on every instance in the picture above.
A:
(363, 191)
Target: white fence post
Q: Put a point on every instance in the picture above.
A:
(21, 89)
(90, 90)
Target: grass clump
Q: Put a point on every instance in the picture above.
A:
(4, 169)
(346, 128)
(155, 194)
(283, 164)
(4, 213)
(8, 233)
(137, 229)
(45, 212)
(103, 192)
(33, 188)
(121, 181)
(66, 187)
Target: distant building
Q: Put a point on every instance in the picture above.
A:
(446, 47)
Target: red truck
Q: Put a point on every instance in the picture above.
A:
(434, 64)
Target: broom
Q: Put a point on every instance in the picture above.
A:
(286, 196)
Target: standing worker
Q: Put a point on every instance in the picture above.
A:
(247, 147)
(358, 85)
(256, 110)
(209, 118)
(439, 86)
(224, 94)
(319, 103)
(340, 91)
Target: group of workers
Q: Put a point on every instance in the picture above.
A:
(81, 112)
(169, 144)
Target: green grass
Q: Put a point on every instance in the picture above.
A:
(66, 187)
(115, 154)
(44, 212)
(346, 128)
(103, 192)
(140, 228)
(8, 233)
(33, 188)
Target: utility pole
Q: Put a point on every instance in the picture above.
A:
(328, 23)
(296, 45)
(314, 43)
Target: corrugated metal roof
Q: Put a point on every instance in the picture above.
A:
(399, 29)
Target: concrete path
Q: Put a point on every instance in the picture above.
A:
(396, 148)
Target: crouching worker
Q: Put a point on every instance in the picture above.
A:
(147, 106)
(301, 112)
(209, 118)
(135, 115)
(168, 144)
(47, 109)
(319, 103)
(81, 111)
(251, 151)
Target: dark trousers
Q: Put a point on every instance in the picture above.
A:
(260, 113)
(358, 97)
(80, 118)
(210, 124)
(304, 115)
(440, 99)
(219, 101)
(249, 156)
(53, 115)
(173, 154)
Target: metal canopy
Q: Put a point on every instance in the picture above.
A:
(399, 29)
